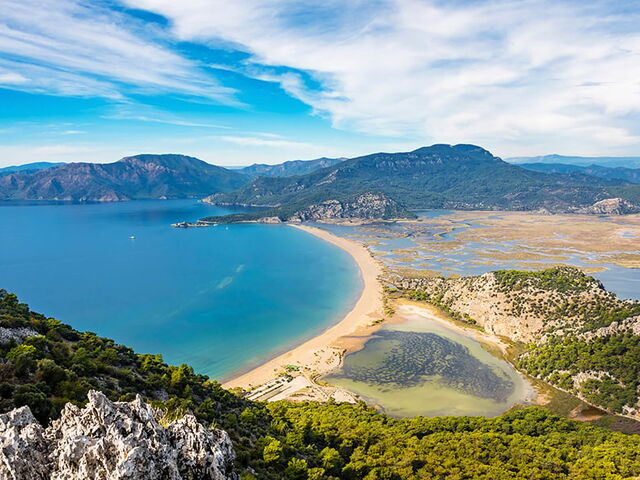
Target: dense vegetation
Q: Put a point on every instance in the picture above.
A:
(440, 176)
(612, 360)
(631, 175)
(560, 279)
(303, 441)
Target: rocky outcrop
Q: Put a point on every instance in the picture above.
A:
(15, 334)
(611, 206)
(22, 447)
(365, 206)
(478, 299)
(628, 325)
(522, 308)
(111, 441)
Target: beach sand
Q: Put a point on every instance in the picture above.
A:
(321, 354)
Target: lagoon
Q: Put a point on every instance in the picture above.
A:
(424, 367)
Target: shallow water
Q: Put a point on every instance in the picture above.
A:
(221, 299)
(470, 258)
(422, 367)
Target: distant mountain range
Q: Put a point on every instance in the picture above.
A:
(626, 162)
(137, 177)
(440, 176)
(290, 168)
(28, 167)
(631, 175)
(380, 185)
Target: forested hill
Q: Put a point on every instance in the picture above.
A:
(136, 177)
(28, 167)
(290, 168)
(626, 162)
(631, 175)
(44, 364)
(440, 176)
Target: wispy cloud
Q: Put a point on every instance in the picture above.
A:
(256, 141)
(518, 74)
(145, 113)
(71, 47)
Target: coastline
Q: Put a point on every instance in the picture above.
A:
(321, 354)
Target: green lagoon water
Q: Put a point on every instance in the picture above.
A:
(421, 367)
(221, 299)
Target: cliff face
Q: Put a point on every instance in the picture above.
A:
(367, 206)
(111, 440)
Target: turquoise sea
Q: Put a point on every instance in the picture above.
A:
(221, 299)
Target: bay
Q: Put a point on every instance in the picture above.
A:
(221, 299)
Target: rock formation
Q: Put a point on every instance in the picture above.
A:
(111, 441)
(611, 206)
(523, 312)
(16, 334)
(366, 206)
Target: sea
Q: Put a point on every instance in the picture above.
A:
(222, 299)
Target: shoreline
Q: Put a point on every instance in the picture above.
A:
(318, 354)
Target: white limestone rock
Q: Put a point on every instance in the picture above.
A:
(112, 441)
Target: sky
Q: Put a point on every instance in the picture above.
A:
(240, 82)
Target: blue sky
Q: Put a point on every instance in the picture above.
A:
(267, 81)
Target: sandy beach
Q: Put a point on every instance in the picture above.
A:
(319, 354)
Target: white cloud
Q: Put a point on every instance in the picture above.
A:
(70, 47)
(514, 75)
(11, 78)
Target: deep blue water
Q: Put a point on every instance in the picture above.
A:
(221, 299)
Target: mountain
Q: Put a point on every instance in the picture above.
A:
(627, 162)
(290, 168)
(631, 175)
(28, 167)
(136, 177)
(440, 176)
